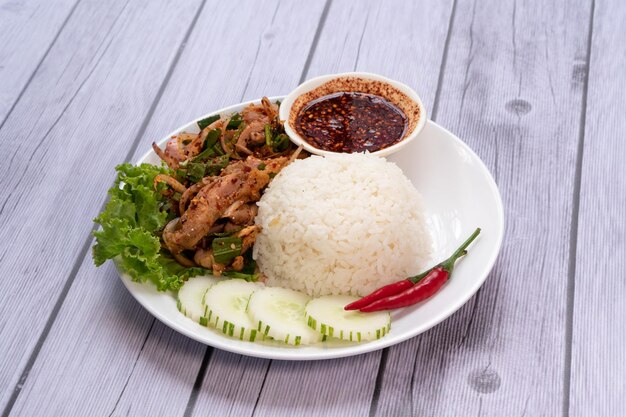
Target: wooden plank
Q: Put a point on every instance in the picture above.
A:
(143, 365)
(231, 385)
(21, 47)
(512, 90)
(81, 112)
(352, 40)
(403, 40)
(598, 334)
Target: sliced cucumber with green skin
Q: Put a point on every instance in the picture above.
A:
(191, 295)
(279, 314)
(327, 316)
(226, 303)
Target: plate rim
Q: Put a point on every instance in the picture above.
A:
(335, 352)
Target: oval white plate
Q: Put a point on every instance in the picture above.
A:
(459, 194)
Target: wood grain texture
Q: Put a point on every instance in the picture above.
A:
(230, 385)
(599, 335)
(81, 112)
(95, 82)
(27, 31)
(156, 367)
(511, 91)
(351, 40)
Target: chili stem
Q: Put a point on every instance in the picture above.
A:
(448, 264)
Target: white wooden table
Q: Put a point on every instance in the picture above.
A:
(536, 88)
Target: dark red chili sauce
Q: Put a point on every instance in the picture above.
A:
(351, 122)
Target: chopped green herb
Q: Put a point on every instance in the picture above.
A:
(277, 103)
(196, 171)
(261, 166)
(218, 149)
(212, 138)
(207, 153)
(206, 122)
(215, 165)
(280, 143)
(234, 122)
(225, 249)
(249, 264)
(209, 142)
(268, 135)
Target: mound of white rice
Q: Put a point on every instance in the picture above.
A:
(345, 224)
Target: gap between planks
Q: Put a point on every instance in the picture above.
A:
(88, 240)
(573, 247)
(43, 58)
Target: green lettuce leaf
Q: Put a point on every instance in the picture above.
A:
(130, 226)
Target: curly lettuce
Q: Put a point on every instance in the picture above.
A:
(130, 226)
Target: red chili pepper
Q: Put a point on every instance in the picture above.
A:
(386, 291)
(382, 292)
(427, 284)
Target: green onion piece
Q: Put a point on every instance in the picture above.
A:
(207, 153)
(212, 138)
(241, 128)
(214, 166)
(206, 122)
(218, 149)
(249, 264)
(261, 166)
(196, 171)
(181, 174)
(268, 135)
(281, 142)
(209, 142)
(225, 249)
(234, 122)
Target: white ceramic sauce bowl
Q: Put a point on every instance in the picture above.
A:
(413, 130)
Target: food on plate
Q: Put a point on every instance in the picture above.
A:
(226, 308)
(279, 314)
(414, 289)
(253, 312)
(196, 214)
(327, 315)
(342, 224)
(190, 300)
(264, 242)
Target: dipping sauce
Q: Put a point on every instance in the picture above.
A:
(351, 122)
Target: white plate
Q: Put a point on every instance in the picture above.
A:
(459, 194)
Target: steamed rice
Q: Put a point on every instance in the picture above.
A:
(344, 224)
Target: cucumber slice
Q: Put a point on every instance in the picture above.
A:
(226, 304)
(190, 296)
(327, 316)
(279, 313)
